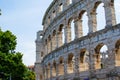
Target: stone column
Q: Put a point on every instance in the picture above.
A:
(78, 28)
(92, 23)
(110, 61)
(46, 72)
(48, 47)
(91, 59)
(57, 38)
(65, 66)
(109, 13)
(55, 46)
(64, 4)
(51, 44)
(76, 63)
(60, 42)
(51, 66)
(67, 32)
(57, 66)
(54, 42)
(67, 2)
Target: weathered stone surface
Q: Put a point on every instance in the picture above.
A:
(79, 58)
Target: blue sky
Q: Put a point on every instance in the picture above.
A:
(24, 18)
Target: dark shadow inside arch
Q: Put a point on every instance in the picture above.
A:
(84, 58)
(117, 53)
(61, 66)
(101, 54)
(61, 35)
(70, 63)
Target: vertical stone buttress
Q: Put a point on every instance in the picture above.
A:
(76, 66)
(65, 66)
(92, 23)
(46, 50)
(57, 71)
(64, 5)
(48, 45)
(78, 28)
(110, 62)
(109, 13)
(51, 43)
(67, 32)
(59, 40)
(54, 42)
(46, 72)
(51, 66)
(91, 60)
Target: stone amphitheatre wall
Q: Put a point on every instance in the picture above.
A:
(58, 56)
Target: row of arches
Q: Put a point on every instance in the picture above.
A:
(98, 8)
(58, 9)
(77, 27)
(67, 65)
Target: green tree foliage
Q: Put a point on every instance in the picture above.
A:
(29, 75)
(11, 64)
(11, 61)
(7, 42)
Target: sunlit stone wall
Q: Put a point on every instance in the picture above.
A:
(64, 52)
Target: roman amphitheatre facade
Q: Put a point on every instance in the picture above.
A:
(60, 56)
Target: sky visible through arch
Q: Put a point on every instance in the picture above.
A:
(24, 18)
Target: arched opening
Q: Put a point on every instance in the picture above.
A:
(54, 69)
(54, 14)
(84, 20)
(61, 66)
(101, 54)
(61, 35)
(48, 22)
(71, 62)
(69, 2)
(72, 29)
(61, 7)
(117, 10)
(41, 36)
(100, 14)
(117, 55)
(84, 60)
